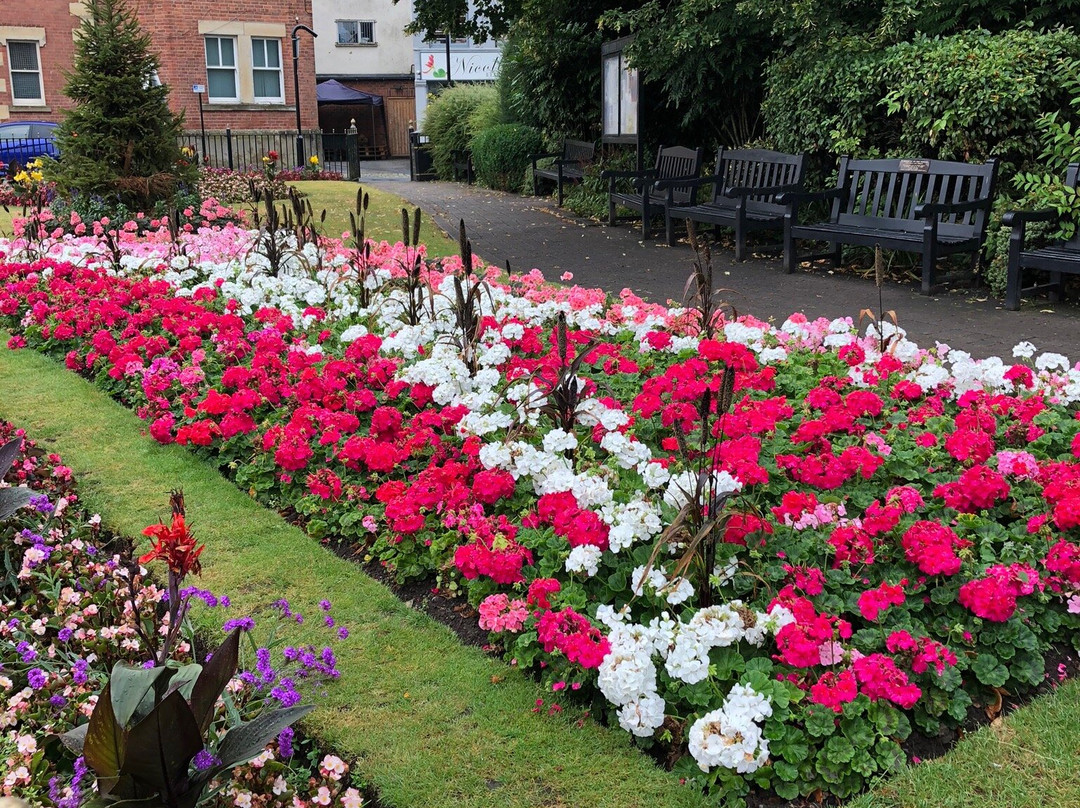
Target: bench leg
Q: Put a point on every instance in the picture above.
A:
(740, 240)
(536, 185)
(610, 211)
(1056, 287)
(669, 227)
(560, 193)
(646, 220)
(837, 251)
(790, 258)
(1014, 278)
(929, 263)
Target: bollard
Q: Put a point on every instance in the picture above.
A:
(352, 150)
(228, 147)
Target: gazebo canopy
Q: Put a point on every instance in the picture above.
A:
(334, 92)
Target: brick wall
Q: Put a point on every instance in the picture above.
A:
(177, 31)
(51, 24)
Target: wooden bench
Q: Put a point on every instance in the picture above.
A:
(569, 165)
(673, 162)
(1063, 257)
(745, 185)
(932, 207)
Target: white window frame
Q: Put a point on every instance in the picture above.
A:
(39, 101)
(235, 98)
(357, 24)
(262, 43)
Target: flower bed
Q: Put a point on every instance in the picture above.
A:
(774, 549)
(73, 603)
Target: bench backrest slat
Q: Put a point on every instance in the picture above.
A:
(886, 193)
(756, 168)
(580, 150)
(678, 161)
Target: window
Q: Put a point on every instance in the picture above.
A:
(221, 68)
(356, 32)
(25, 73)
(266, 69)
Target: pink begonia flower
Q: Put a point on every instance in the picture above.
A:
(1074, 604)
(832, 653)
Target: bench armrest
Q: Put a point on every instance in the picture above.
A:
(734, 191)
(1015, 217)
(536, 158)
(928, 209)
(686, 182)
(612, 174)
(792, 197)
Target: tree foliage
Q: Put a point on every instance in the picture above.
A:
(120, 140)
(969, 96)
(478, 19)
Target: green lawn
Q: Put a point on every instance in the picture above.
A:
(383, 215)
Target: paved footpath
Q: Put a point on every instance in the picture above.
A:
(532, 232)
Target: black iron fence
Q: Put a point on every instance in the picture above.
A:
(337, 150)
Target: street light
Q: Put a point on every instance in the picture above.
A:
(296, 86)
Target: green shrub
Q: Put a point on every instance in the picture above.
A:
(501, 154)
(970, 96)
(448, 122)
(589, 198)
(1043, 187)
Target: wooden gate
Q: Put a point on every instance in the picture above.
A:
(399, 111)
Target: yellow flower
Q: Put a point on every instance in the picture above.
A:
(314, 160)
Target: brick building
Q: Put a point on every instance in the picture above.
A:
(239, 51)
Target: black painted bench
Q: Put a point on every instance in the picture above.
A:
(1060, 258)
(461, 164)
(652, 194)
(745, 185)
(931, 207)
(569, 165)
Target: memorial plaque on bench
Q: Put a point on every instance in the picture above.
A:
(915, 166)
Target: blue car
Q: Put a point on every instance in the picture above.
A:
(23, 141)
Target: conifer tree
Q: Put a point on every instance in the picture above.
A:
(120, 139)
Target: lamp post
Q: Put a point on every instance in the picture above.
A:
(296, 86)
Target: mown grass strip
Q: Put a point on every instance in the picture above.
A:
(1031, 759)
(432, 723)
(383, 215)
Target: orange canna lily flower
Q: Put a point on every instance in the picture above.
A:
(175, 544)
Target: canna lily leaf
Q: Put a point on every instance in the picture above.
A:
(213, 679)
(248, 740)
(75, 739)
(104, 743)
(161, 746)
(11, 499)
(8, 452)
(132, 692)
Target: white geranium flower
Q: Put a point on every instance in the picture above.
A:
(584, 558)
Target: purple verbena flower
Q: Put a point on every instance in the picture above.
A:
(36, 678)
(26, 652)
(324, 605)
(285, 742)
(205, 759)
(41, 504)
(342, 633)
(243, 623)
